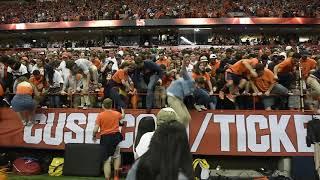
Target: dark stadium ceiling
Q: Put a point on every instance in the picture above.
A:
(164, 30)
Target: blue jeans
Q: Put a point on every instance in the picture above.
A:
(150, 89)
(115, 96)
(54, 101)
(202, 97)
(280, 90)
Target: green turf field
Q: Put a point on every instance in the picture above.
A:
(46, 177)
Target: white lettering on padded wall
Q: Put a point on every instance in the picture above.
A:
(262, 122)
(278, 133)
(37, 137)
(224, 121)
(77, 128)
(299, 121)
(241, 133)
(50, 137)
(128, 137)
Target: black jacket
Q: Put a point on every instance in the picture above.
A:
(313, 132)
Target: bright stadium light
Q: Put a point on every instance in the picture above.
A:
(186, 40)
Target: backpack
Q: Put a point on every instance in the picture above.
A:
(201, 169)
(56, 167)
(26, 166)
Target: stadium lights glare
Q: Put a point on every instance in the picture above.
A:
(186, 40)
(194, 29)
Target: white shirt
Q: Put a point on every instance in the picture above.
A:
(21, 71)
(57, 79)
(84, 65)
(65, 72)
(35, 67)
(143, 145)
(115, 63)
(189, 69)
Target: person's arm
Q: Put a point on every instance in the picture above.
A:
(267, 93)
(122, 117)
(35, 91)
(103, 68)
(123, 114)
(154, 67)
(96, 128)
(210, 87)
(126, 84)
(95, 131)
(255, 89)
(249, 67)
(184, 73)
(276, 71)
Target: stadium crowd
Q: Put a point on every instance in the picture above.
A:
(84, 10)
(243, 78)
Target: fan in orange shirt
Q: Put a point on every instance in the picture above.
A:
(236, 76)
(287, 66)
(108, 122)
(307, 64)
(265, 84)
(121, 84)
(23, 102)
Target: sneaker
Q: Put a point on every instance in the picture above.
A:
(6, 101)
(44, 107)
(85, 107)
(197, 107)
(203, 107)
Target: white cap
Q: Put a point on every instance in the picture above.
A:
(120, 53)
(213, 56)
(283, 54)
(203, 59)
(288, 48)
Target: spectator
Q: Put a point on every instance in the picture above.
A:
(110, 137)
(147, 75)
(55, 85)
(164, 159)
(264, 84)
(22, 102)
(177, 91)
(121, 84)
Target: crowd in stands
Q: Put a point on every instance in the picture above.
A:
(242, 78)
(84, 10)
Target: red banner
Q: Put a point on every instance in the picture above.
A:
(241, 133)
